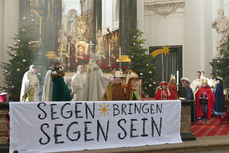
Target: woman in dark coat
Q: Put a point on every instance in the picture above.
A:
(219, 98)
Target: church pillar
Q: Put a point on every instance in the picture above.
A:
(51, 24)
(94, 24)
(99, 14)
(97, 18)
(127, 22)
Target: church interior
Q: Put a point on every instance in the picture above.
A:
(119, 50)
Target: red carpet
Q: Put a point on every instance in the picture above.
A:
(214, 128)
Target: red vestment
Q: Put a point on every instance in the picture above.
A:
(211, 100)
(159, 94)
(173, 91)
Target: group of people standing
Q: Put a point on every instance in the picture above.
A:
(56, 89)
(208, 94)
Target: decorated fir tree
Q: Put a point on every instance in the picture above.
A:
(24, 53)
(141, 62)
(221, 66)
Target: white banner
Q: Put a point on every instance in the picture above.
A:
(72, 126)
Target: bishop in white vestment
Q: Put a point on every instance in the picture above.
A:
(96, 81)
(30, 86)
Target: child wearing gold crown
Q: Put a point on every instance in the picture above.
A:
(173, 87)
(204, 102)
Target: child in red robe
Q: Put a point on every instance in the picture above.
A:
(204, 102)
(173, 87)
(163, 92)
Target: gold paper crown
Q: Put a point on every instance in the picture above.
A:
(203, 81)
(172, 77)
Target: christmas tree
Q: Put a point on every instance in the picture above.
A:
(221, 66)
(141, 62)
(22, 55)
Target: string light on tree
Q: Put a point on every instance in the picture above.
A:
(24, 60)
(18, 69)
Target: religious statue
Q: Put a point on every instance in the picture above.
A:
(61, 38)
(221, 24)
(71, 23)
(100, 39)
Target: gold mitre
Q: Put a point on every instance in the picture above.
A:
(95, 57)
(172, 77)
(204, 81)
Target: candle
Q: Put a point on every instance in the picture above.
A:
(177, 77)
(109, 54)
(120, 58)
(90, 44)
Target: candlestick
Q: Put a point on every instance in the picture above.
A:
(109, 64)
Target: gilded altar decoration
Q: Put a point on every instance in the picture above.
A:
(81, 48)
(100, 41)
(81, 28)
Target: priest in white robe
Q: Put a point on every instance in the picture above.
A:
(30, 86)
(96, 81)
(78, 84)
(196, 84)
(212, 81)
(48, 85)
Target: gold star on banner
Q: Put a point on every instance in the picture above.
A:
(104, 109)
